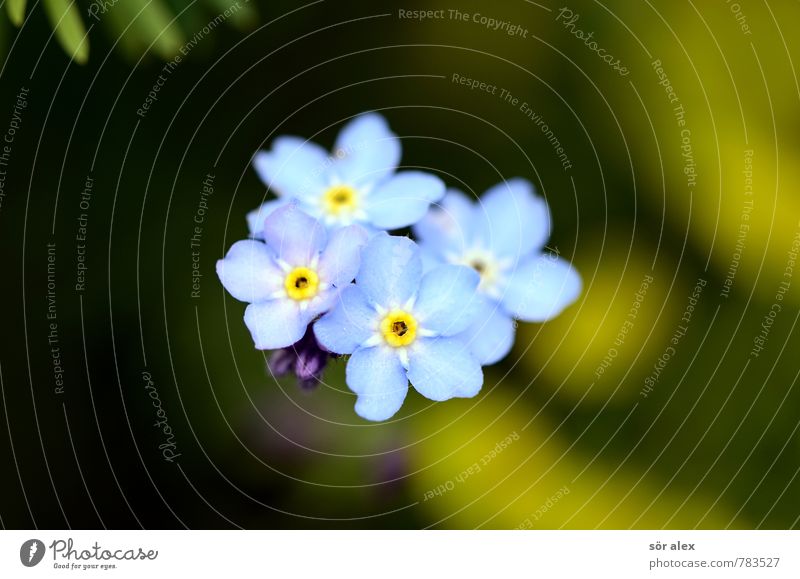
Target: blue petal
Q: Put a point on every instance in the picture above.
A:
(294, 167)
(249, 272)
(430, 258)
(340, 260)
(390, 271)
(491, 337)
(513, 221)
(448, 226)
(447, 301)
(349, 324)
(403, 200)
(540, 288)
(276, 324)
(378, 377)
(323, 302)
(257, 217)
(366, 150)
(294, 235)
(443, 368)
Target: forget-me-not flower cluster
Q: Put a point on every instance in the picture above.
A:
(323, 278)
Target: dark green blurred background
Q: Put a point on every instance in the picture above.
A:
(668, 420)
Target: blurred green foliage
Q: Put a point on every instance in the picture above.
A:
(138, 25)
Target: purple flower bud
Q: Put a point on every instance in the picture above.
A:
(306, 359)
(281, 363)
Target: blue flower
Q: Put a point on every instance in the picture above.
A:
(355, 184)
(292, 277)
(400, 326)
(502, 238)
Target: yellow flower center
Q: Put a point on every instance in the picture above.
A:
(302, 283)
(484, 263)
(478, 265)
(399, 328)
(340, 198)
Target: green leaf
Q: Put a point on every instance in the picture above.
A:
(151, 23)
(16, 11)
(69, 28)
(4, 33)
(242, 14)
